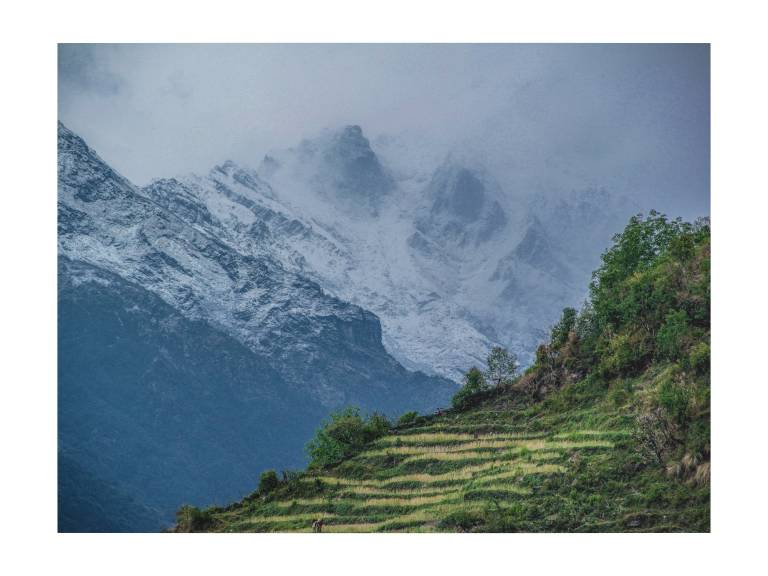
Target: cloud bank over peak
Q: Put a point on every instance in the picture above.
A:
(545, 119)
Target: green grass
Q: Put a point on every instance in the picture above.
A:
(569, 465)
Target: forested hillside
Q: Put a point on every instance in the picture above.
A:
(608, 430)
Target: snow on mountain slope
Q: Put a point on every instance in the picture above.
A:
(450, 262)
(189, 341)
(215, 261)
(358, 255)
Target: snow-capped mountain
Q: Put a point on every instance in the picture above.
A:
(447, 259)
(227, 273)
(191, 356)
(208, 322)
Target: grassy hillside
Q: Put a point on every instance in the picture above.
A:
(607, 431)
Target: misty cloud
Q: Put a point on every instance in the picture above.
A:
(546, 119)
(81, 71)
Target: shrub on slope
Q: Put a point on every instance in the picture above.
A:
(648, 311)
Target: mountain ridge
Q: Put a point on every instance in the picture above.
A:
(157, 269)
(412, 248)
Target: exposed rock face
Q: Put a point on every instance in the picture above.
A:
(449, 261)
(356, 171)
(341, 167)
(464, 211)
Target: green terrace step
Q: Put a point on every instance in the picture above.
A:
(487, 468)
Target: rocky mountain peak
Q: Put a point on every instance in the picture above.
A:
(458, 191)
(350, 142)
(354, 170)
(227, 167)
(269, 165)
(230, 173)
(465, 208)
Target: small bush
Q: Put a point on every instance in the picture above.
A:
(624, 354)
(192, 519)
(698, 359)
(462, 521)
(376, 426)
(408, 418)
(474, 384)
(620, 392)
(509, 519)
(698, 437)
(652, 435)
(675, 399)
(670, 339)
(268, 482)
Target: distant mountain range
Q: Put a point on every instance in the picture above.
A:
(208, 323)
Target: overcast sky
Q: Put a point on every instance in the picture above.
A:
(546, 118)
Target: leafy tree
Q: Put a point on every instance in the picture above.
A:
(376, 426)
(564, 327)
(474, 383)
(587, 332)
(408, 418)
(671, 336)
(634, 250)
(502, 366)
(344, 434)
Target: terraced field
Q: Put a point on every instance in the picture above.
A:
(482, 469)
(565, 465)
(464, 471)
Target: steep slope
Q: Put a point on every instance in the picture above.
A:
(443, 256)
(449, 261)
(89, 504)
(462, 210)
(359, 257)
(607, 431)
(198, 270)
(179, 352)
(169, 410)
